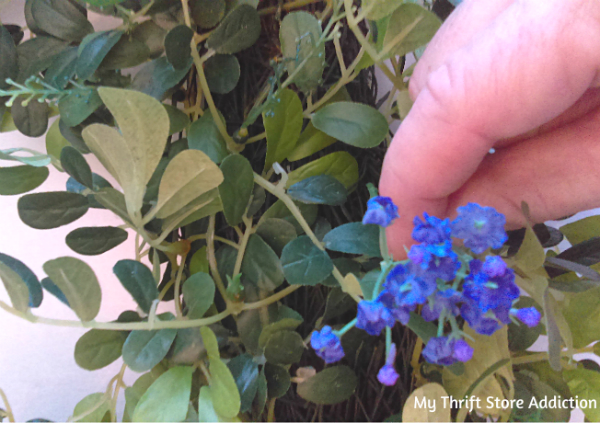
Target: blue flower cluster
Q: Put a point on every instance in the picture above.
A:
(448, 281)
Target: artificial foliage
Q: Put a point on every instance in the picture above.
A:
(245, 139)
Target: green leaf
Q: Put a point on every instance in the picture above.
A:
(78, 282)
(285, 324)
(277, 233)
(99, 348)
(423, 329)
(199, 262)
(91, 409)
(189, 175)
(284, 347)
(236, 189)
(432, 392)
(300, 35)
(138, 281)
(92, 51)
(210, 342)
(582, 312)
(330, 386)
(48, 210)
(51, 287)
(92, 241)
(152, 35)
(521, 337)
(311, 140)
(21, 179)
(404, 16)
(166, 400)
(354, 238)
(261, 265)
(531, 255)
(346, 265)
(239, 30)
(55, 142)
(280, 210)
(341, 165)
(126, 53)
(245, 372)
(380, 9)
(27, 276)
(224, 392)
(114, 201)
(135, 392)
(582, 230)
(75, 108)
(353, 123)
(207, 13)
(15, 287)
(144, 349)
(178, 47)
(131, 157)
(179, 120)
(206, 408)
(222, 72)
(37, 54)
(199, 294)
(32, 119)
(278, 380)
(204, 135)
(32, 159)
(304, 263)
(157, 77)
(283, 123)
(585, 384)
(61, 19)
(9, 67)
(319, 189)
(74, 164)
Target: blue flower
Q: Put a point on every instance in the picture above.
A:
(380, 211)
(432, 231)
(445, 351)
(442, 300)
(484, 323)
(437, 261)
(400, 312)
(409, 284)
(490, 284)
(387, 374)
(327, 345)
(479, 227)
(373, 316)
(530, 316)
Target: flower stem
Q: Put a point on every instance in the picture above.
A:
(346, 328)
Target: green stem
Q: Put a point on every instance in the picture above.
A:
(388, 341)
(273, 298)
(242, 247)
(346, 328)
(178, 287)
(212, 259)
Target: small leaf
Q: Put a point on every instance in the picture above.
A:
(199, 262)
(177, 46)
(204, 135)
(404, 16)
(277, 233)
(353, 123)
(157, 77)
(9, 67)
(236, 189)
(304, 263)
(412, 412)
(239, 30)
(179, 120)
(91, 409)
(354, 238)
(284, 347)
(199, 294)
(126, 53)
(61, 19)
(92, 241)
(32, 119)
(79, 284)
(92, 51)
(51, 287)
(341, 165)
(245, 372)
(224, 392)
(210, 342)
(280, 211)
(278, 380)
(283, 123)
(15, 287)
(135, 392)
(166, 400)
(37, 54)
(311, 140)
(27, 276)
(261, 265)
(21, 179)
(330, 386)
(152, 35)
(222, 72)
(207, 13)
(138, 281)
(75, 165)
(76, 108)
(319, 189)
(99, 348)
(144, 349)
(287, 324)
(49, 210)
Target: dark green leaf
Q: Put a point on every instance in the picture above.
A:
(239, 30)
(144, 349)
(157, 77)
(49, 210)
(15, 287)
(345, 266)
(79, 284)
(75, 107)
(207, 13)
(284, 347)
(245, 372)
(37, 54)
(177, 46)
(330, 386)
(354, 238)
(353, 123)
(73, 136)
(9, 67)
(21, 179)
(178, 119)
(338, 302)
(424, 330)
(61, 19)
(304, 263)
(152, 35)
(236, 189)
(277, 233)
(222, 72)
(98, 348)
(75, 165)
(261, 392)
(126, 53)
(204, 135)
(199, 294)
(261, 265)
(278, 380)
(138, 281)
(93, 49)
(33, 285)
(284, 324)
(319, 189)
(63, 68)
(403, 17)
(51, 287)
(91, 241)
(280, 210)
(32, 119)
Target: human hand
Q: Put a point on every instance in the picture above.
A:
(519, 76)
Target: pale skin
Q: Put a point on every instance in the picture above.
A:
(519, 76)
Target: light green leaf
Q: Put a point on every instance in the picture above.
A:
(15, 287)
(427, 24)
(224, 392)
(341, 165)
(236, 189)
(222, 72)
(135, 392)
(300, 36)
(354, 238)
(92, 51)
(99, 348)
(47, 210)
(91, 409)
(74, 164)
(430, 391)
(582, 312)
(206, 409)
(179, 120)
(261, 265)
(311, 141)
(189, 175)
(277, 233)
(319, 189)
(283, 123)
(239, 30)
(582, 230)
(31, 120)
(205, 205)
(91, 241)
(585, 384)
(75, 107)
(284, 347)
(166, 400)
(199, 294)
(531, 255)
(138, 281)
(20, 179)
(353, 123)
(78, 282)
(177, 46)
(380, 9)
(330, 386)
(210, 342)
(199, 261)
(144, 349)
(304, 263)
(204, 135)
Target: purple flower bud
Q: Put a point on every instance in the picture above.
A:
(380, 211)
(530, 316)
(373, 316)
(387, 375)
(479, 227)
(327, 345)
(442, 350)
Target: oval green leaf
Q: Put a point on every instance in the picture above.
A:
(341, 165)
(91, 241)
(138, 281)
(15, 287)
(21, 179)
(199, 294)
(354, 238)
(236, 189)
(284, 347)
(32, 119)
(319, 189)
(92, 51)
(177, 46)
(204, 135)
(207, 13)
(48, 210)
(277, 233)
(144, 349)
(224, 391)
(99, 348)
(239, 30)
(261, 265)
(304, 263)
(74, 164)
(222, 73)
(332, 385)
(27, 276)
